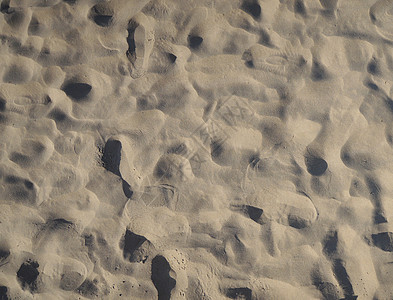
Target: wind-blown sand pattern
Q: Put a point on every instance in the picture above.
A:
(169, 149)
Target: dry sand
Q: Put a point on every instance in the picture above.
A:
(202, 150)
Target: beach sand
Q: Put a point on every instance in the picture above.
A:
(202, 150)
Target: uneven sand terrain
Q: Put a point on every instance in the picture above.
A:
(202, 150)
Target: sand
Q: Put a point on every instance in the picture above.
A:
(201, 150)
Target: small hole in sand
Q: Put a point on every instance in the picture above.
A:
(316, 166)
(2, 104)
(372, 86)
(27, 274)
(47, 100)
(28, 184)
(172, 57)
(249, 64)
(111, 156)
(373, 68)
(239, 293)
(160, 275)
(3, 292)
(252, 8)
(103, 21)
(318, 72)
(372, 17)
(299, 7)
(5, 7)
(254, 161)
(58, 115)
(4, 254)
(195, 41)
(384, 241)
(77, 91)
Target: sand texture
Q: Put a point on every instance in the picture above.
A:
(196, 149)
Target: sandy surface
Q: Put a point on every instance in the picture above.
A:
(237, 149)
